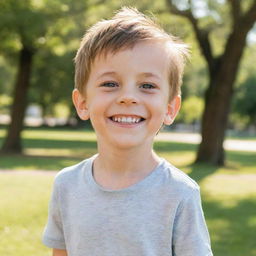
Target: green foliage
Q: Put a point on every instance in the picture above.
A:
(51, 29)
(5, 102)
(245, 100)
(191, 110)
(52, 80)
(24, 20)
(195, 80)
(6, 77)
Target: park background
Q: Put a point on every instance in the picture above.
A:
(213, 138)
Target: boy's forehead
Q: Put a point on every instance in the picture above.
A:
(153, 43)
(148, 45)
(147, 57)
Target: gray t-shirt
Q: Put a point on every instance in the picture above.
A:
(158, 216)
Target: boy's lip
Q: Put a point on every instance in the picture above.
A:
(126, 118)
(127, 115)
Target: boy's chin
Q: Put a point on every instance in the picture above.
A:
(126, 145)
(130, 143)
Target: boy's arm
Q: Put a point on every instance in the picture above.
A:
(53, 236)
(58, 252)
(190, 235)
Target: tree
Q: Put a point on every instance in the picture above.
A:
(191, 110)
(26, 25)
(245, 100)
(52, 84)
(222, 67)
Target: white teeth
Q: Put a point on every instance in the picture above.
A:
(124, 119)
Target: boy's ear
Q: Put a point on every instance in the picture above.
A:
(172, 110)
(80, 105)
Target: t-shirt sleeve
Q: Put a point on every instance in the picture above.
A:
(190, 234)
(53, 235)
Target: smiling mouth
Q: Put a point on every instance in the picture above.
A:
(127, 119)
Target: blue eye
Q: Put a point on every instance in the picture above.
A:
(148, 86)
(109, 84)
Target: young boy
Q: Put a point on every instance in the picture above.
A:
(127, 201)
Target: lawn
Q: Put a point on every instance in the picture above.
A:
(228, 193)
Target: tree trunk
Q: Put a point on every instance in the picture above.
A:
(12, 143)
(218, 100)
(214, 122)
(222, 73)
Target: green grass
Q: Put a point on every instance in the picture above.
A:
(228, 193)
(24, 202)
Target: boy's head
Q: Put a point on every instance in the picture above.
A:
(126, 29)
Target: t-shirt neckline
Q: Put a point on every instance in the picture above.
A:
(140, 184)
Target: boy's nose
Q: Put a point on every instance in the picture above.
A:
(127, 100)
(127, 97)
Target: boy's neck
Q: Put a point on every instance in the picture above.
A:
(121, 168)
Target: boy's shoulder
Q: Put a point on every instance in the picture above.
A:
(72, 174)
(177, 180)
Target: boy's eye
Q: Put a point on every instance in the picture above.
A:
(148, 86)
(109, 84)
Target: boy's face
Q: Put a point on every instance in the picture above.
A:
(126, 96)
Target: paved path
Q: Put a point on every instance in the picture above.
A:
(24, 172)
(195, 138)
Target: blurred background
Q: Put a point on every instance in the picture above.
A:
(213, 138)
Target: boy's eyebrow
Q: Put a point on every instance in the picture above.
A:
(143, 74)
(106, 74)
(149, 74)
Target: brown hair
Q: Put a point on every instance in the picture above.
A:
(127, 28)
